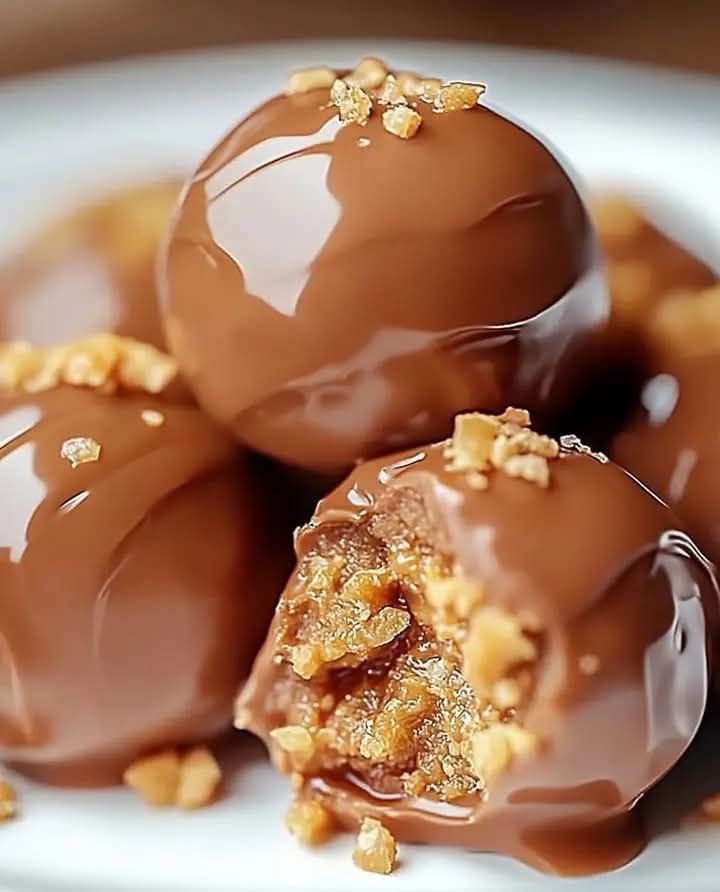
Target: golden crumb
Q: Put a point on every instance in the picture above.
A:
(390, 92)
(103, 361)
(453, 595)
(511, 415)
(710, 808)
(200, 776)
(409, 83)
(457, 96)
(155, 778)
(531, 468)
(310, 822)
(472, 441)
(375, 849)
(496, 643)
(152, 417)
(293, 739)
(495, 747)
(368, 74)
(80, 450)
(616, 219)
(307, 79)
(402, 121)
(8, 800)
(353, 103)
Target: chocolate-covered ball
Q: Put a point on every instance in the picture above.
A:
(333, 291)
(139, 566)
(493, 642)
(671, 441)
(91, 270)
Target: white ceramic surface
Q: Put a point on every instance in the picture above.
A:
(652, 133)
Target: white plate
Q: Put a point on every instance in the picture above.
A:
(651, 132)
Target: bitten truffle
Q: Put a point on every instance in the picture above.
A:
(360, 259)
(139, 567)
(498, 642)
(91, 270)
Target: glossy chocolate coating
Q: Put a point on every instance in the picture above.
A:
(334, 292)
(599, 561)
(671, 443)
(134, 591)
(91, 270)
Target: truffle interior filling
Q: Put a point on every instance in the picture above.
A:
(394, 669)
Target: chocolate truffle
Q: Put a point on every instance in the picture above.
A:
(139, 566)
(671, 442)
(91, 270)
(334, 291)
(495, 642)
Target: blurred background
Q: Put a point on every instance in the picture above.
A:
(39, 34)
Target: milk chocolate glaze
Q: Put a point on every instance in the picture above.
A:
(91, 270)
(134, 590)
(600, 561)
(334, 292)
(671, 443)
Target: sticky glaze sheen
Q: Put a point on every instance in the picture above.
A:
(598, 559)
(333, 292)
(134, 591)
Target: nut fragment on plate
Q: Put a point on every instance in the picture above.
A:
(152, 417)
(368, 74)
(80, 450)
(307, 79)
(8, 800)
(353, 103)
(105, 362)
(167, 778)
(375, 849)
(402, 121)
(458, 96)
(310, 822)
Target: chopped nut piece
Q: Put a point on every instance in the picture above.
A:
(200, 776)
(533, 468)
(402, 121)
(390, 92)
(472, 441)
(103, 361)
(710, 808)
(496, 746)
(495, 644)
(368, 74)
(375, 849)
(156, 778)
(410, 83)
(80, 450)
(521, 417)
(293, 739)
(8, 800)
(310, 822)
(353, 104)
(430, 88)
(457, 96)
(453, 595)
(307, 79)
(152, 417)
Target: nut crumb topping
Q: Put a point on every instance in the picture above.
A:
(457, 96)
(8, 800)
(496, 644)
(482, 443)
(390, 92)
(293, 739)
(307, 79)
(495, 747)
(353, 103)
(368, 74)
(152, 417)
(80, 451)
(310, 822)
(167, 778)
(572, 443)
(375, 849)
(402, 121)
(105, 362)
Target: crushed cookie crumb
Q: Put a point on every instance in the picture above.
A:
(310, 822)
(307, 79)
(457, 96)
(495, 747)
(353, 103)
(368, 74)
(80, 450)
(200, 776)
(390, 92)
(152, 417)
(8, 800)
(496, 643)
(402, 121)
(293, 739)
(572, 443)
(375, 849)
(104, 362)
